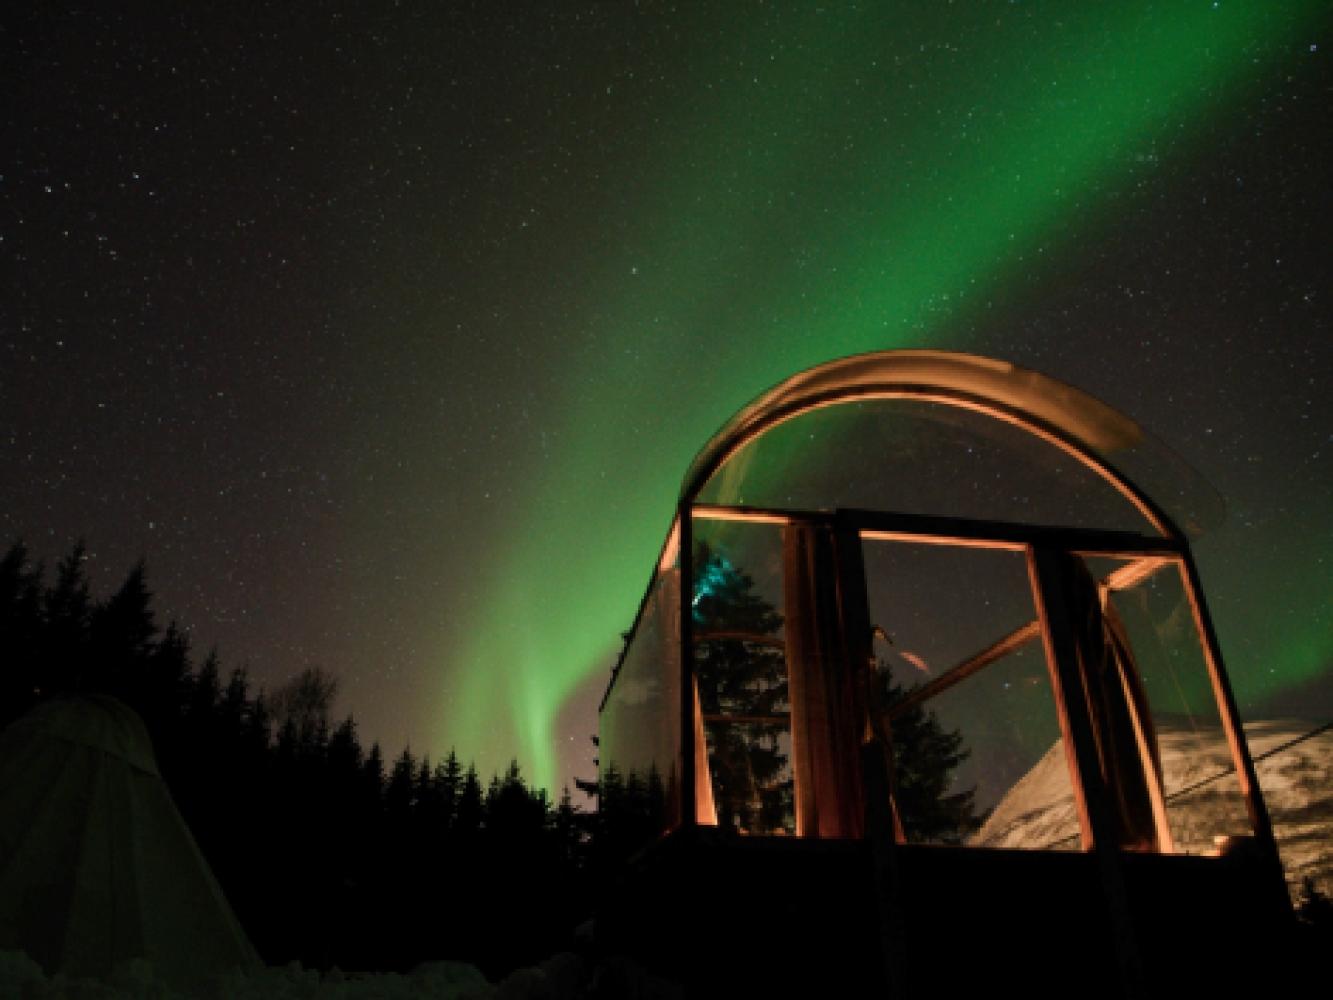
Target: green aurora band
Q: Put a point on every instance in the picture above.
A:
(816, 210)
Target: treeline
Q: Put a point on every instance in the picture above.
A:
(329, 853)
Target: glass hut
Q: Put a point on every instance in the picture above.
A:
(919, 632)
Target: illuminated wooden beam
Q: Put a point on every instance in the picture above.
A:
(1016, 639)
(750, 515)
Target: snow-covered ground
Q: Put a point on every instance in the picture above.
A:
(565, 976)
(135, 980)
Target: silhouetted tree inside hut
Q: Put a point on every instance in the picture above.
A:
(925, 756)
(742, 674)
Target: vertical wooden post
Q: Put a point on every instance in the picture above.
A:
(1052, 582)
(881, 823)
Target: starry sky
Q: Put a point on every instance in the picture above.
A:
(385, 332)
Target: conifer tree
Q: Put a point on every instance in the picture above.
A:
(428, 804)
(741, 678)
(205, 690)
(372, 776)
(20, 629)
(449, 784)
(399, 794)
(66, 610)
(233, 705)
(512, 811)
(568, 832)
(167, 683)
(925, 757)
(121, 631)
(470, 803)
(344, 753)
(257, 729)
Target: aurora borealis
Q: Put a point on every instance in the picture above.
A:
(428, 309)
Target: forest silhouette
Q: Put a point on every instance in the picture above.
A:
(330, 852)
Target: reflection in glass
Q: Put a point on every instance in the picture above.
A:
(1202, 795)
(741, 679)
(921, 457)
(978, 754)
(639, 746)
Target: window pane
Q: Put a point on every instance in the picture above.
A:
(978, 754)
(639, 747)
(919, 457)
(1025, 773)
(1200, 787)
(741, 673)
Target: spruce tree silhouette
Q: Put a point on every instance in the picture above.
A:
(449, 785)
(66, 613)
(570, 834)
(324, 858)
(925, 757)
(469, 816)
(742, 676)
(372, 778)
(121, 632)
(400, 792)
(20, 632)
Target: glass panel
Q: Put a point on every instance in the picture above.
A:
(1200, 788)
(914, 456)
(978, 755)
(639, 746)
(1192, 503)
(741, 671)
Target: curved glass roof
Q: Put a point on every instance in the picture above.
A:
(1039, 410)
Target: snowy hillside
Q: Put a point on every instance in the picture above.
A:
(1294, 760)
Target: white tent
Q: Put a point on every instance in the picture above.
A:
(96, 865)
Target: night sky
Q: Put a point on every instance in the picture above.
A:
(385, 332)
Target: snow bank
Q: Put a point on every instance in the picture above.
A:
(21, 977)
(565, 976)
